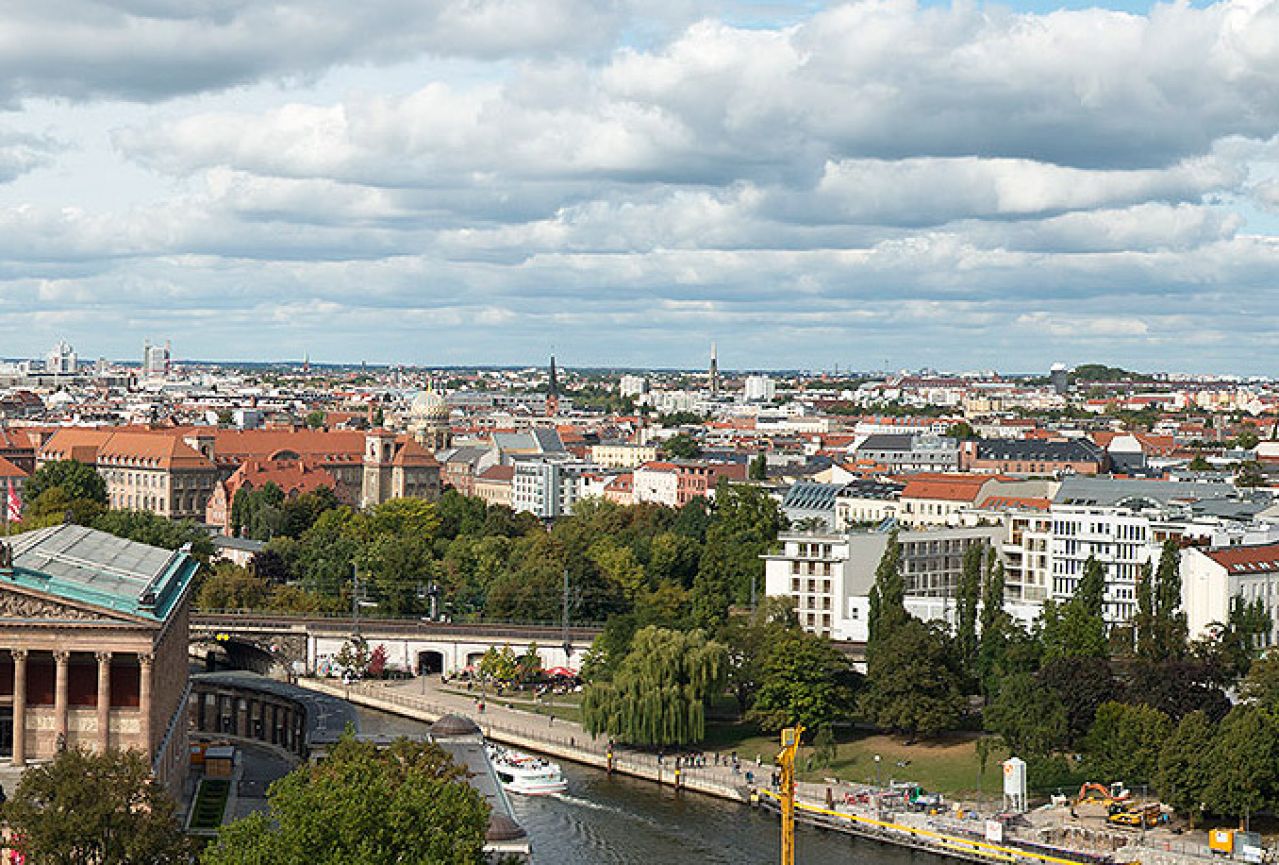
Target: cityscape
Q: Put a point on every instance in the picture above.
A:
(485, 432)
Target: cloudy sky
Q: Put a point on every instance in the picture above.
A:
(874, 183)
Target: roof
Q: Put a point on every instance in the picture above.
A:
(1257, 559)
(1072, 450)
(497, 474)
(954, 489)
(1111, 492)
(9, 470)
(1009, 503)
(91, 446)
(807, 495)
(83, 564)
(887, 442)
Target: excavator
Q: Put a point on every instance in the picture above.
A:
(1138, 817)
(1092, 793)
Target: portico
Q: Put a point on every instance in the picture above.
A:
(93, 647)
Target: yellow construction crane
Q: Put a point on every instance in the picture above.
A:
(786, 759)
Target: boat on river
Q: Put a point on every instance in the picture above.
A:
(526, 774)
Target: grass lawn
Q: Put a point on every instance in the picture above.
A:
(210, 804)
(947, 765)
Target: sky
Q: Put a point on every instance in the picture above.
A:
(872, 184)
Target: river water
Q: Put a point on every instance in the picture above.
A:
(624, 821)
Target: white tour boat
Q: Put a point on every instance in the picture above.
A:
(525, 774)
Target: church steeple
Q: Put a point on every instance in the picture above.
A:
(714, 371)
(552, 391)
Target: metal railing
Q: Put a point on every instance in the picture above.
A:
(232, 619)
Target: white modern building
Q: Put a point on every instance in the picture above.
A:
(545, 487)
(61, 359)
(829, 576)
(656, 482)
(760, 388)
(1211, 577)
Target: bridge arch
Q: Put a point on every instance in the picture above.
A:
(237, 653)
(430, 662)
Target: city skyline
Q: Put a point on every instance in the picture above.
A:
(885, 184)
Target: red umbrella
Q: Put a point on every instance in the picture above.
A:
(563, 672)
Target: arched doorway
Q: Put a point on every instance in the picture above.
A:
(430, 663)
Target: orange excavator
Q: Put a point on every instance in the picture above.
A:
(1092, 793)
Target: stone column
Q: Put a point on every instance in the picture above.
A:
(104, 701)
(19, 706)
(61, 660)
(145, 661)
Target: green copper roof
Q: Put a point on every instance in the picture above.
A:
(93, 567)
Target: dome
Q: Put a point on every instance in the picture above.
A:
(503, 828)
(429, 405)
(454, 725)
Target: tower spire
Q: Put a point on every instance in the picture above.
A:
(714, 370)
(552, 391)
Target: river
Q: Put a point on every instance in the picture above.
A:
(623, 821)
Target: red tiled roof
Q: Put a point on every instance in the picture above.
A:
(1257, 559)
(497, 474)
(954, 489)
(9, 470)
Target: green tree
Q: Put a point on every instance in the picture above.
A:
(399, 569)
(1082, 685)
(1261, 686)
(77, 480)
(231, 587)
(315, 419)
(970, 584)
(1185, 760)
(1077, 629)
(805, 680)
(657, 694)
(1028, 716)
(887, 603)
(912, 687)
(157, 531)
(758, 467)
(1199, 464)
(1247, 440)
(1250, 474)
(996, 626)
(750, 641)
(1125, 741)
(499, 665)
(1244, 755)
(681, 446)
(407, 803)
(83, 808)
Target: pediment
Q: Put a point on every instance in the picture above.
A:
(16, 603)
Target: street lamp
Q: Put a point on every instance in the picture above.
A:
(877, 758)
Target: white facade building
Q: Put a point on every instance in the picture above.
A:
(61, 359)
(633, 385)
(656, 482)
(547, 488)
(760, 388)
(1211, 577)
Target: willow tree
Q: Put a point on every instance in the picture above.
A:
(658, 694)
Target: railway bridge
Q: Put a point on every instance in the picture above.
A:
(275, 643)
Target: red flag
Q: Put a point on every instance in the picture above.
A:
(14, 504)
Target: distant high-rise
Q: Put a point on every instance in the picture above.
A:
(714, 371)
(61, 359)
(1059, 378)
(156, 360)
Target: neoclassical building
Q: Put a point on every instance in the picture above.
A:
(93, 647)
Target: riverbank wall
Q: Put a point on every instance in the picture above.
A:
(567, 743)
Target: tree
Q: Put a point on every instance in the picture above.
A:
(970, 580)
(1028, 716)
(912, 687)
(157, 531)
(1247, 440)
(1178, 687)
(1077, 629)
(231, 587)
(1082, 685)
(750, 641)
(681, 446)
(996, 626)
(1161, 626)
(1199, 464)
(805, 680)
(84, 808)
(315, 419)
(1261, 686)
(657, 694)
(1250, 474)
(1125, 741)
(887, 604)
(499, 665)
(962, 431)
(1244, 755)
(1185, 764)
(758, 467)
(77, 480)
(406, 803)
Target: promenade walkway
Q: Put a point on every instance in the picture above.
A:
(547, 735)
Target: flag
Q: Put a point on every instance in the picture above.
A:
(14, 505)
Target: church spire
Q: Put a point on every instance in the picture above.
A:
(714, 371)
(552, 391)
